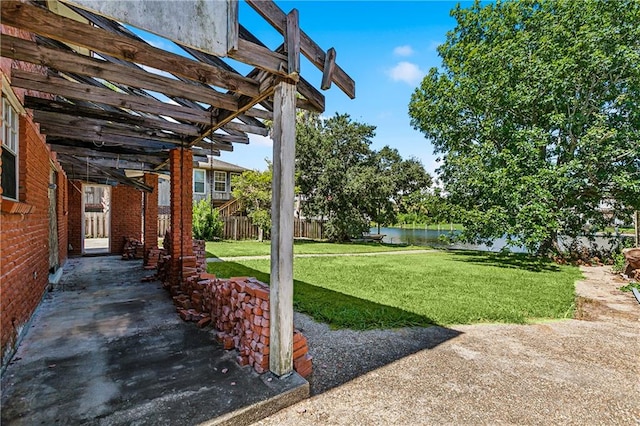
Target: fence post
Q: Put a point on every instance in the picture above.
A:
(636, 221)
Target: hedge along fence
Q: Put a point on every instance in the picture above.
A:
(241, 228)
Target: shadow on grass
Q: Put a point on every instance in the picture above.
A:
(507, 260)
(349, 336)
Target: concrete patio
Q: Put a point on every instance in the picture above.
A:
(105, 348)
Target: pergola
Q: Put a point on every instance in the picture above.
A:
(109, 101)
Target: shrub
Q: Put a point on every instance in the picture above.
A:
(207, 224)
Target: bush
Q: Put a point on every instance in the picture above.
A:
(207, 224)
(344, 227)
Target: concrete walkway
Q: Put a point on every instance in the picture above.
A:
(265, 257)
(106, 349)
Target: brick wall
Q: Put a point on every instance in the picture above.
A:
(150, 215)
(74, 216)
(24, 237)
(126, 216)
(62, 211)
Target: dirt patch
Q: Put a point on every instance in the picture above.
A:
(598, 297)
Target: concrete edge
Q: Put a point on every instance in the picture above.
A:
(54, 278)
(258, 411)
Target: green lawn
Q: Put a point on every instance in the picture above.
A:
(420, 289)
(256, 248)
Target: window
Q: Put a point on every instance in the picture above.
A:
(9, 150)
(220, 181)
(198, 181)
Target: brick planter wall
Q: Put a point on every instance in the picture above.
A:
(237, 307)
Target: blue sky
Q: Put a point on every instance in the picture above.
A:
(385, 46)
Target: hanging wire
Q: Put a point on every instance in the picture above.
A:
(211, 172)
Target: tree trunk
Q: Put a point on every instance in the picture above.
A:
(549, 245)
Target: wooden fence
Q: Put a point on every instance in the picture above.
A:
(163, 224)
(241, 228)
(96, 225)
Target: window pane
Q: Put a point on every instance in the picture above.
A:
(198, 181)
(9, 183)
(9, 135)
(220, 181)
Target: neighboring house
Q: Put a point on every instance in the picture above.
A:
(211, 180)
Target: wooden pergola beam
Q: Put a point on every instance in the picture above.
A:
(93, 153)
(67, 61)
(44, 22)
(111, 173)
(92, 111)
(103, 137)
(52, 119)
(309, 48)
(72, 90)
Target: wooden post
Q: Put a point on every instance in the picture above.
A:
(282, 201)
(636, 221)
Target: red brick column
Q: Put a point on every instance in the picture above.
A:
(126, 216)
(62, 211)
(181, 168)
(74, 200)
(150, 215)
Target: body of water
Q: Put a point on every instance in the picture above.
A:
(428, 237)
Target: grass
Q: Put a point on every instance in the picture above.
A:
(630, 286)
(421, 289)
(612, 230)
(256, 248)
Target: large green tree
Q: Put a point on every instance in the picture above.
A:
(332, 167)
(536, 114)
(341, 179)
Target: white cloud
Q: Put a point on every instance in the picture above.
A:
(407, 72)
(258, 140)
(405, 50)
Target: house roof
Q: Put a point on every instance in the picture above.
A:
(129, 103)
(215, 164)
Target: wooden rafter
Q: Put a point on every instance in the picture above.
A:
(115, 174)
(56, 119)
(28, 51)
(94, 111)
(155, 160)
(41, 21)
(133, 102)
(73, 90)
